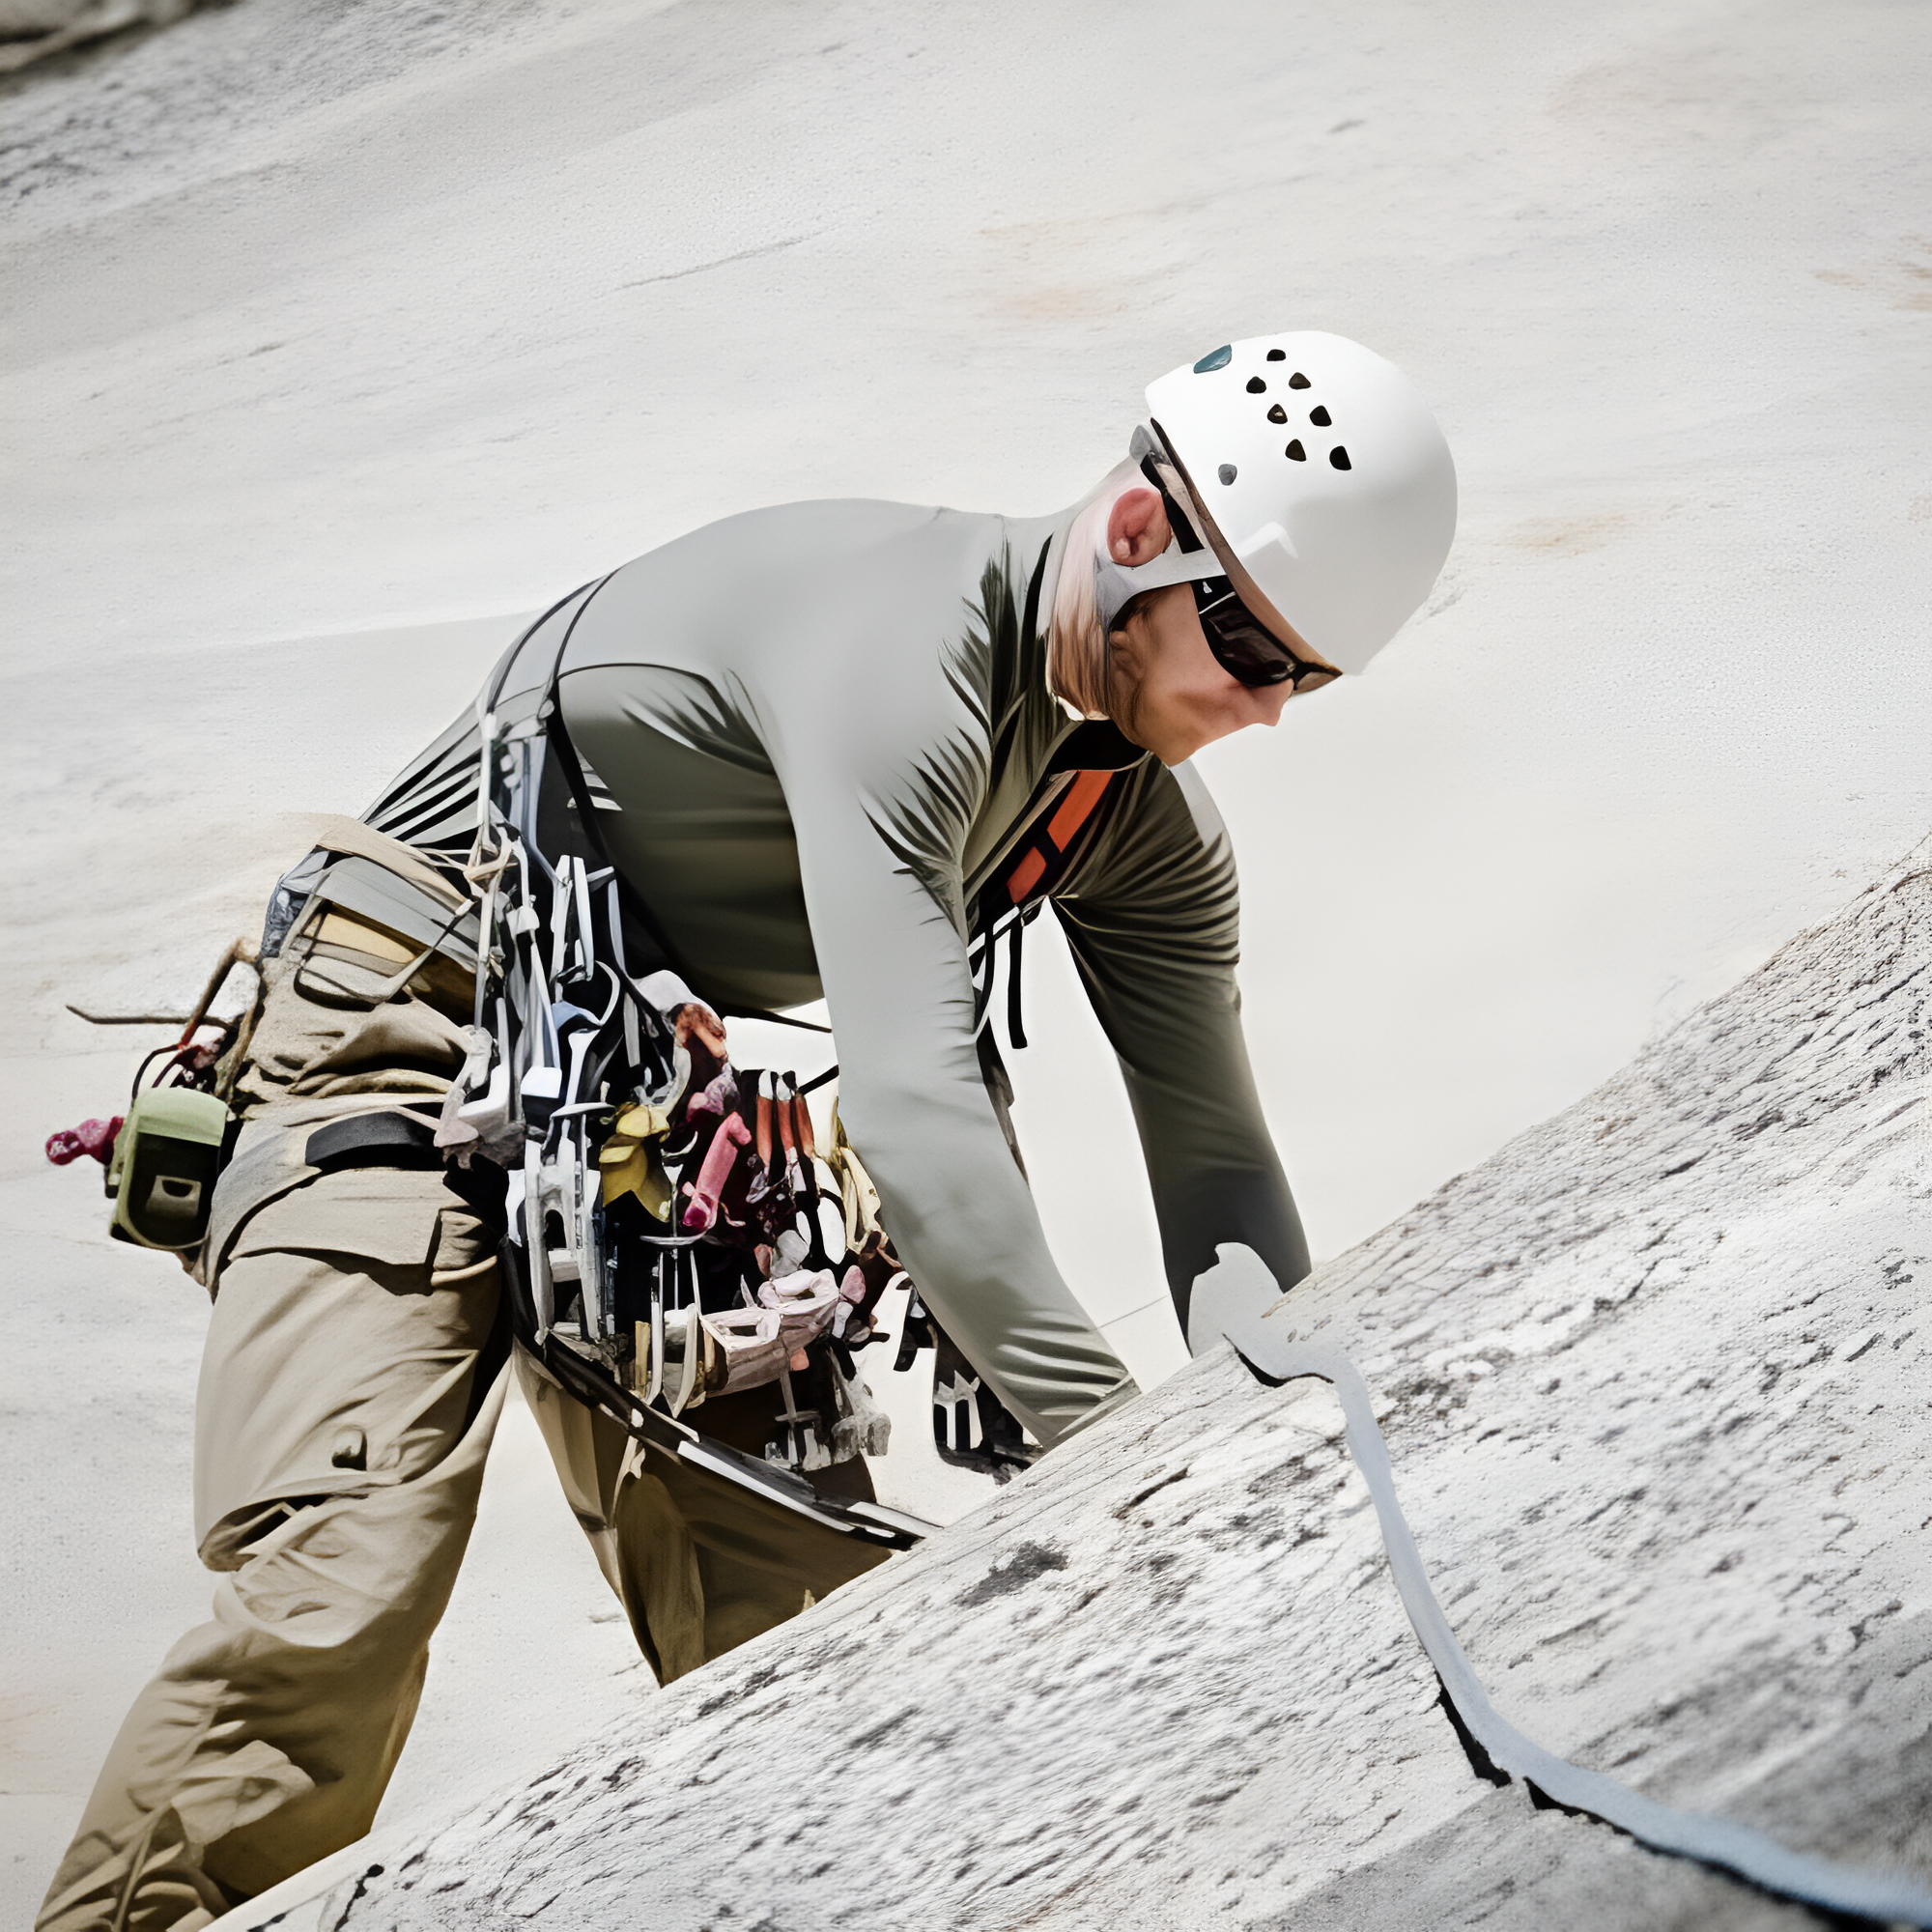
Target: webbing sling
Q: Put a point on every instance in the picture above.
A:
(1274, 1359)
(1049, 844)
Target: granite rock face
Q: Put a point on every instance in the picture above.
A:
(1655, 1380)
(33, 30)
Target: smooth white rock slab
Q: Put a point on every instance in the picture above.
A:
(1656, 1388)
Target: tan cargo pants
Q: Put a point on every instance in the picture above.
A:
(352, 1377)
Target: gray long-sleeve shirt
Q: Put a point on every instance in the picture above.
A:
(817, 731)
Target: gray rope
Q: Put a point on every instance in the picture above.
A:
(1277, 1357)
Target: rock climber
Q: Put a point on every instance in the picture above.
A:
(830, 750)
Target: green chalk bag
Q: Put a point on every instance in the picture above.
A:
(166, 1156)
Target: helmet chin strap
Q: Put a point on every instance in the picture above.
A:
(1116, 586)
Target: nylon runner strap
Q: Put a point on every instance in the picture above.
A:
(1737, 1848)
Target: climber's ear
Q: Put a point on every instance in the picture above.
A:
(1137, 528)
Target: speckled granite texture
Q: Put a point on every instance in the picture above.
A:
(1655, 1381)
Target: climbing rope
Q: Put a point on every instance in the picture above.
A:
(1275, 1358)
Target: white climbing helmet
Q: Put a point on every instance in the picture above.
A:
(1324, 486)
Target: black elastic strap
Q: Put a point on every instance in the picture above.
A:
(374, 1140)
(1015, 1031)
(734, 1011)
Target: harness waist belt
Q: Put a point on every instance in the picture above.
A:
(374, 1140)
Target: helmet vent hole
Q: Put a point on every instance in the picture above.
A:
(1295, 452)
(1277, 355)
(1320, 417)
(1339, 457)
(1215, 358)
(1297, 380)
(1256, 387)
(1277, 414)
(1227, 472)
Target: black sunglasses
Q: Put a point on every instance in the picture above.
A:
(1244, 648)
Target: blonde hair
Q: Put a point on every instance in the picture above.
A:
(1078, 668)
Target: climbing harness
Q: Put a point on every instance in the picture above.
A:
(1496, 1749)
(674, 1233)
